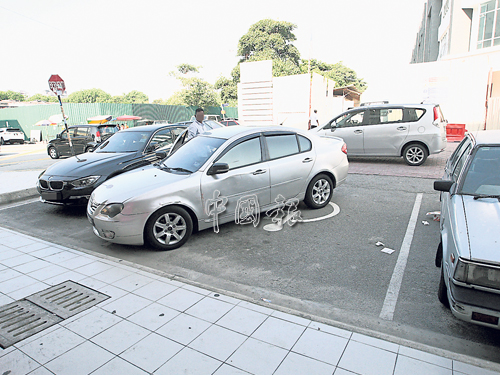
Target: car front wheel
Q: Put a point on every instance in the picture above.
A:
(53, 153)
(169, 228)
(442, 291)
(415, 154)
(319, 192)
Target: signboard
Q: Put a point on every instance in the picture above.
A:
(56, 84)
(225, 105)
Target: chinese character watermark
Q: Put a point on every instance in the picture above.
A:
(247, 210)
(280, 217)
(214, 207)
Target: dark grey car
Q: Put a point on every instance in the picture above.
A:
(73, 180)
(85, 138)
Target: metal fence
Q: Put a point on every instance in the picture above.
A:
(26, 117)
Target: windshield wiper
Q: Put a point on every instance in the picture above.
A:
(487, 196)
(177, 169)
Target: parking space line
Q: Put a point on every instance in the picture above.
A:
(19, 204)
(391, 298)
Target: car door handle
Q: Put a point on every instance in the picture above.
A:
(307, 160)
(402, 128)
(358, 131)
(259, 171)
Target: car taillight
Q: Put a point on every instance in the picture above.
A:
(344, 148)
(98, 136)
(436, 114)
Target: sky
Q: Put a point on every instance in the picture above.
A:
(126, 45)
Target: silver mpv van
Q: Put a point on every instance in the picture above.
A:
(410, 131)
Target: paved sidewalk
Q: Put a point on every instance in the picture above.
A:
(154, 324)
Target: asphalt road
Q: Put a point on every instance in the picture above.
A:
(24, 157)
(329, 268)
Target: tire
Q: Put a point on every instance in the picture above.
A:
(439, 255)
(179, 231)
(319, 192)
(415, 154)
(53, 153)
(22, 142)
(442, 292)
(2, 142)
(89, 149)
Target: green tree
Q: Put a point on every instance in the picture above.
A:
(228, 90)
(186, 68)
(42, 98)
(269, 38)
(12, 95)
(135, 96)
(195, 91)
(89, 96)
(341, 74)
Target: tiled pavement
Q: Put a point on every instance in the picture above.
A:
(153, 324)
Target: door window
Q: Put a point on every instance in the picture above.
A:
(305, 144)
(384, 116)
(282, 145)
(350, 120)
(81, 132)
(64, 135)
(243, 154)
(161, 139)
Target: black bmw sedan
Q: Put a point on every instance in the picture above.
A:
(71, 181)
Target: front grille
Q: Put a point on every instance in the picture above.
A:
(56, 185)
(44, 184)
(92, 206)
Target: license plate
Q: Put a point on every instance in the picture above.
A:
(51, 195)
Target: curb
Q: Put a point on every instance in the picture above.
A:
(19, 195)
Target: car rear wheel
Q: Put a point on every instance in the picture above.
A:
(439, 255)
(442, 292)
(319, 192)
(169, 228)
(53, 153)
(415, 154)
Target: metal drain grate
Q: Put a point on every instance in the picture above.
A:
(22, 319)
(67, 299)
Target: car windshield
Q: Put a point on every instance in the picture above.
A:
(191, 156)
(483, 175)
(125, 141)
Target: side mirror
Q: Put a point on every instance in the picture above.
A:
(58, 136)
(151, 147)
(218, 168)
(161, 154)
(443, 185)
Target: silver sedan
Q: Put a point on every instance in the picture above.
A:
(205, 181)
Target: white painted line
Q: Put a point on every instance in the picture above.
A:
(336, 211)
(391, 298)
(19, 204)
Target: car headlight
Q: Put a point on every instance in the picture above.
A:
(112, 209)
(84, 182)
(476, 274)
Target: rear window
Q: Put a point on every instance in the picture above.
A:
(13, 130)
(104, 130)
(413, 114)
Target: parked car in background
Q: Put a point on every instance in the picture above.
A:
(229, 122)
(410, 131)
(469, 251)
(72, 180)
(163, 204)
(11, 135)
(85, 138)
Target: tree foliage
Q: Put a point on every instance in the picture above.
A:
(195, 91)
(186, 68)
(89, 96)
(42, 98)
(228, 91)
(341, 74)
(12, 95)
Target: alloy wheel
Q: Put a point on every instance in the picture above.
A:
(169, 228)
(321, 191)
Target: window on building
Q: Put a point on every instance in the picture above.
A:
(489, 24)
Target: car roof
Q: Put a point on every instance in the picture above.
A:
(487, 137)
(228, 132)
(152, 127)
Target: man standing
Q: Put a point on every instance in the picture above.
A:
(197, 126)
(313, 120)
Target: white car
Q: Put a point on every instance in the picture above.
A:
(163, 204)
(11, 135)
